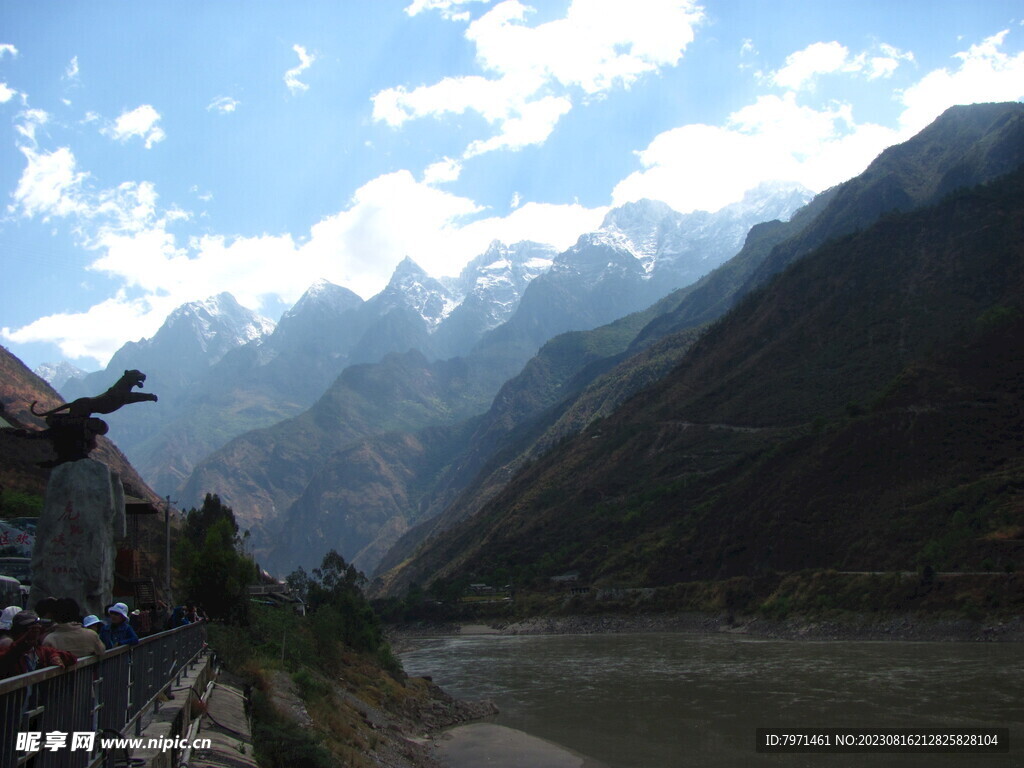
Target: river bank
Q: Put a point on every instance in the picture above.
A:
(900, 627)
(497, 746)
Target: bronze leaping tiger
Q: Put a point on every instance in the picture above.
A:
(118, 395)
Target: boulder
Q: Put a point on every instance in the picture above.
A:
(83, 517)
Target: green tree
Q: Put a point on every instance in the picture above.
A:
(214, 570)
(199, 521)
(334, 597)
(298, 581)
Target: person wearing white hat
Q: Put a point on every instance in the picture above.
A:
(91, 621)
(118, 631)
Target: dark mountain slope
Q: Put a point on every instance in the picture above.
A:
(863, 412)
(271, 467)
(426, 469)
(988, 135)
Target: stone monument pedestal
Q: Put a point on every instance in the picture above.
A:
(76, 537)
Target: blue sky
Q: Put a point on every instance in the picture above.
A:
(156, 153)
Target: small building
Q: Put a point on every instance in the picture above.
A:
(564, 578)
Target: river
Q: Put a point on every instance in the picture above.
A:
(666, 700)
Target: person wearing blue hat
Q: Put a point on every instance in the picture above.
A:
(118, 631)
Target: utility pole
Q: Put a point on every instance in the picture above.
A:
(167, 550)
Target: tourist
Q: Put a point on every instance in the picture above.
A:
(45, 610)
(161, 615)
(140, 622)
(69, 635)
(26, 652)
(178, 618)
(93, 623)
(118, 631)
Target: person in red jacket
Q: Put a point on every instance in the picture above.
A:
(27, 653)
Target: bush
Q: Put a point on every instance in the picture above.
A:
(20, 504)
(280, 744)
(309, 686)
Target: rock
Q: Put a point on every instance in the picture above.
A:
(83, 516)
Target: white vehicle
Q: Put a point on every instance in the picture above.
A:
(11, 592)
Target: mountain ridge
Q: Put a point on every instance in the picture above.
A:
(692, 472)
(725, 282)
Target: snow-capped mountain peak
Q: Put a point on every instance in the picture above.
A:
(679, 248)
(220, 315)
(324, 296)
(412, 288)
(202, 332)
(58, 374)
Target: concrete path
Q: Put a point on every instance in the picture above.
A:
(227, 727)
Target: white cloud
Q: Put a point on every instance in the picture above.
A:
(6, 93)
(291, 77)
(559, 225)
(447, 8)
(133, 242)
(442, 171)
(804, 66)
(71, 71)
(597, 45)
(49, 186)
(7, 48)
(223, 105)
(534, 123)
(141, 122)
(29, 121)
(886, 62)
(816, 59)
(515, 201)
(705, 167)
(985, 73)
(534, 71)
(88, 334)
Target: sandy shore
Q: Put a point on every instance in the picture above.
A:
(484, 744)
(907, 627)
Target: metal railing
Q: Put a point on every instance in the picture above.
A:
(106, 695)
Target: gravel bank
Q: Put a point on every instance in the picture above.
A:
(906, 627)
